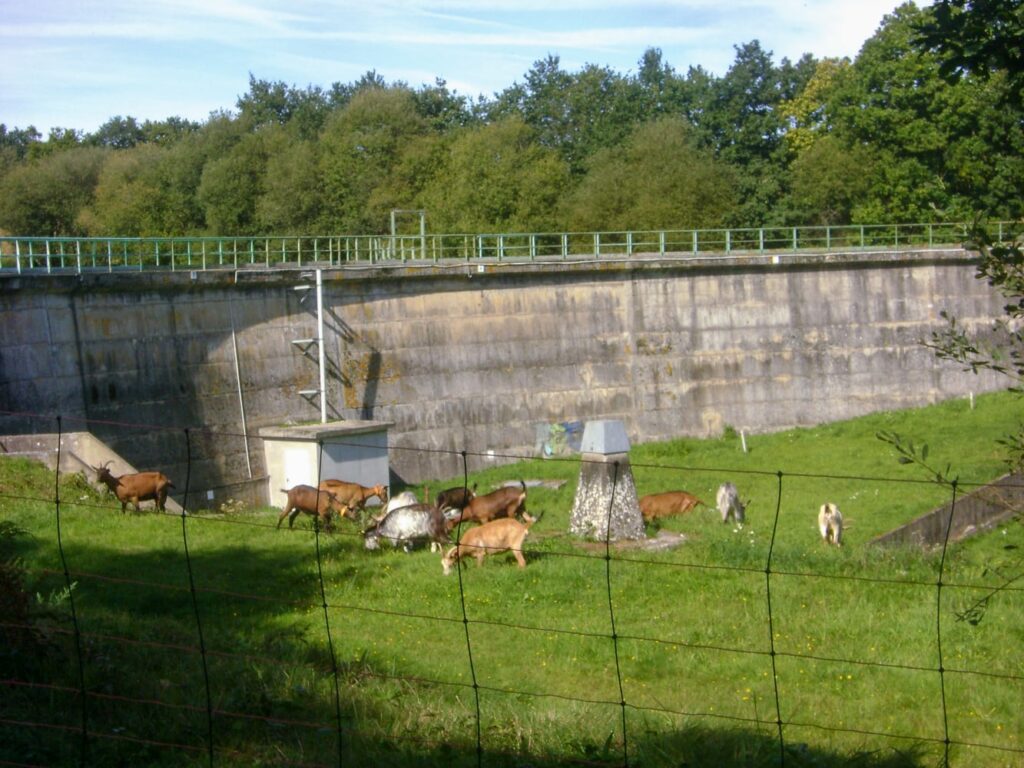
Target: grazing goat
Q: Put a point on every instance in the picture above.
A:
(504, 502)
(407, 526)
(503, 535)
(830, 523)
(657, 505)
(353, 495)
(143, 486)
(728, 502)
(455, 498)
(312, 501)
(404, 499)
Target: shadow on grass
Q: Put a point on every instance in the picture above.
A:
(255, 678)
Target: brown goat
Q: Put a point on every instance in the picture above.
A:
(353, 495)
(504, 535)
(306, 498)
(504, 502)
(657, 505)
(455, 498)
(142, 486)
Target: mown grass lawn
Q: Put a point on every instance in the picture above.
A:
(714, 643)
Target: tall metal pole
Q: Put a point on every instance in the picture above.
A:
(320, 345)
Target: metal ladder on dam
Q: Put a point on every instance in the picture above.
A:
(305, 344)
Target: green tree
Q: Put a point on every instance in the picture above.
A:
(573, 114)
(659, 179)
(359, 148)
(231, 184)
(276, 103)
(497, 177)
(45, 196)
(743, 119)
(169, 131)
(829, 180)
(58, 140)
(977, 37)
(934, 142)
(292, 198)
(128, 199)
(444, 110)
(806, 113)
(117, 133)
(15, 145)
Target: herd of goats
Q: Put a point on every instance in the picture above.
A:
(404, 521)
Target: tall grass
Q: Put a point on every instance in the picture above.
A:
(715, 641)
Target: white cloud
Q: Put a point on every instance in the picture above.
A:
(122, 54)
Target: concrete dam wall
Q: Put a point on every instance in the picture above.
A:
(179, 368)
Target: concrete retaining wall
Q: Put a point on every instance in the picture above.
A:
(163, 366)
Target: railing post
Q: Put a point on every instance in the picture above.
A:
(47, 257)
(78, 256)
(629, 243)
(760, 239)
(794, 239)
(695, 242)
(565, 247)
(728, 241)
(17, 255)
(597, 244)
(828, 238)
(661, 243)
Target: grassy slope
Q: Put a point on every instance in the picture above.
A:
(693, 625)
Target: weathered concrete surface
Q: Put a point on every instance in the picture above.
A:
(606, 507)
(973, 513)
(462, 360)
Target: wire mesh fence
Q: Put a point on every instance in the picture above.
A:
(221, 637)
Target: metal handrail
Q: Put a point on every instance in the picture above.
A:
(35, 255)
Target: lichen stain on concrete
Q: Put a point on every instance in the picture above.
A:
(645, 347)
(358, 370)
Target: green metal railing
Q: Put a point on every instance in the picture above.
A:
(34, 255)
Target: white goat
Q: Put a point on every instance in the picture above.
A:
(830, 524)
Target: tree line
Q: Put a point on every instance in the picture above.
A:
(905, 132)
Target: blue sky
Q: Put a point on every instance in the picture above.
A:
(76, 63)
